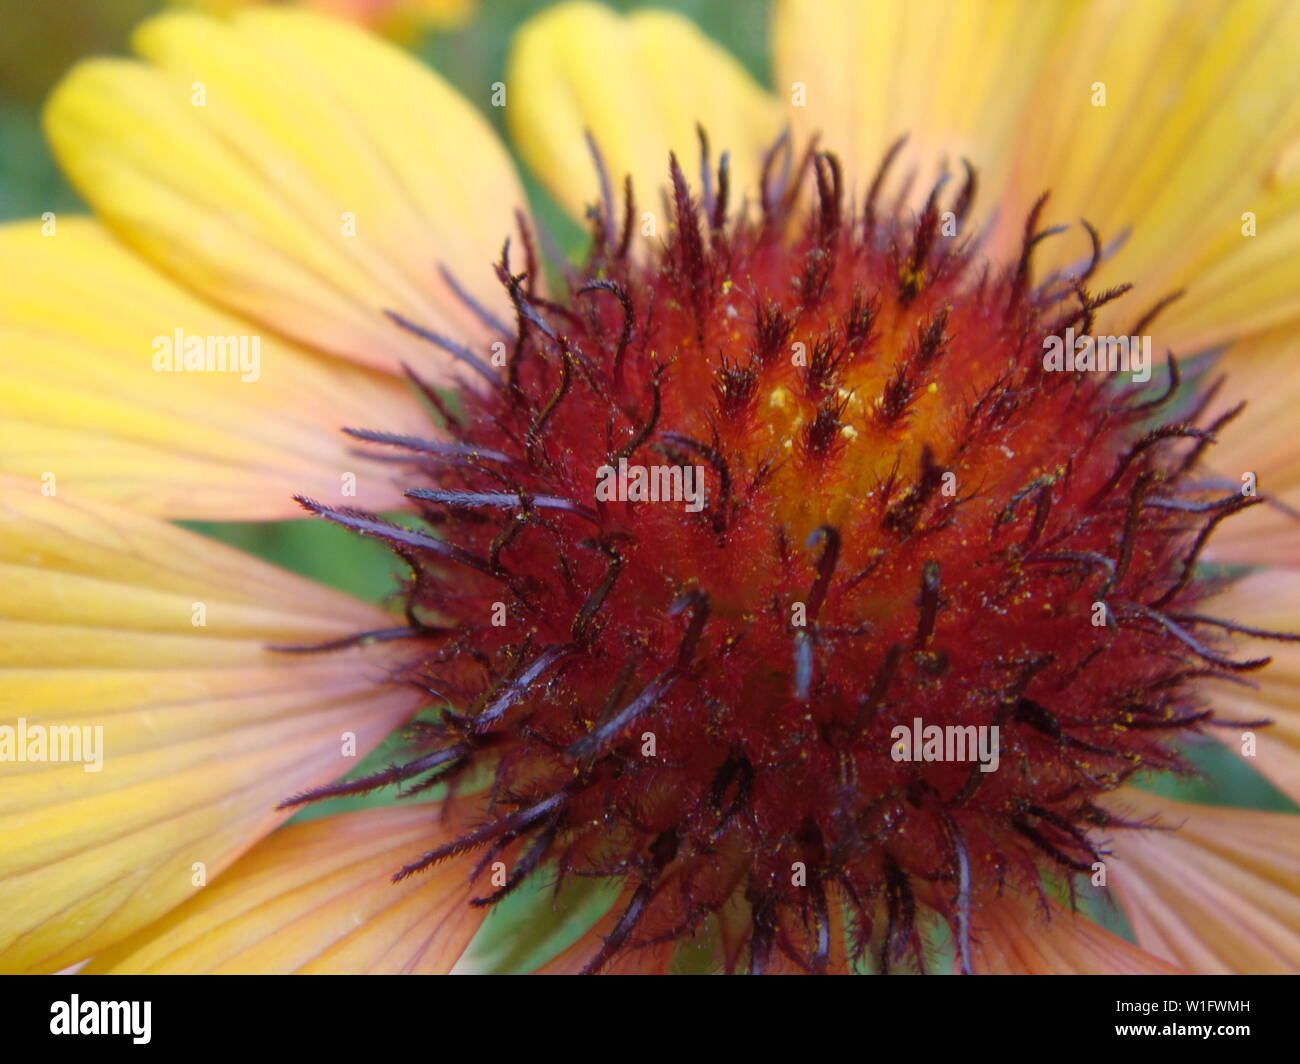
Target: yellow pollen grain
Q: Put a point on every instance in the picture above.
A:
(779, 398)
(933, 388)
(849, 432)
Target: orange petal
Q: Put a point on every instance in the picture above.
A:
(93, 397)
(149, 644)
(318, 898)
(1264, 371)
(1014, 937)
(1268, 600)
(1220, 894)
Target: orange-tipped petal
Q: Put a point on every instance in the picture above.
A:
(1257, 450)
(319, 898)
(149, 644)
(1013, 936)
(1219, 894)
(1268, 600)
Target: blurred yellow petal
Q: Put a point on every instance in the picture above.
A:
(955, 77)
(1200, 124)
(266, 163)
(1268, 600)
(639, 84)
(1216, 895)
(112, 620)
(1013, 936)
(81, 320)
(318, 898)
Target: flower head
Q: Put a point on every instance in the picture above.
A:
(817, 565)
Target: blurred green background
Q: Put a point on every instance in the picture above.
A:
(41, 39)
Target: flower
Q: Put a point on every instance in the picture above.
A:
(287, 180)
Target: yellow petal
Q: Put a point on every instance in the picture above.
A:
(1173, 121)
(955, 77)
(1217, 895)
(1263, 371)
(92, 396)
(1199, 126)
(297, 170)
(318, 898)
(1014, 937)
(111, 620)
(1269, 600)
(639, 84)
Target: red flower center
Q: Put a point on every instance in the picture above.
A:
(807, 562)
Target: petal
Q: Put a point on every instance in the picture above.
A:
(955, 77)
(204, 730)
(82, 323)
(1263, 371)
(1216, 895)
(1013, 937)
(297, 170)
(640, 84)
(319, 898)
(1269, 600)
(1199, 126)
